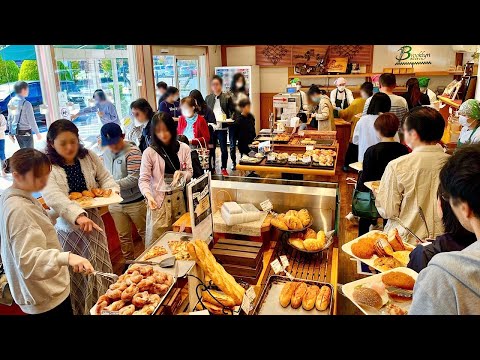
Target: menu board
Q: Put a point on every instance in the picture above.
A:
(200, 207)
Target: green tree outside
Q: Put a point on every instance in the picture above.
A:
(8, 71)
(29, 70)
(63, 71)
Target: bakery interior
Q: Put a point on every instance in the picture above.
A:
(275, 236)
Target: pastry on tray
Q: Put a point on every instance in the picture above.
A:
(154, 252)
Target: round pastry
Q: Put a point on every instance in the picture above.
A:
(97, 192)
(363, 249)
(75, 195)
(310, 233)
(134, 279)
(133, 268)
(160, 289)
(154, 299)
(148, 309)
(121, 285)
(291, 213)
(115, 306)
(140, 299)
(129, 292)
(127, 310)
(88, 193)
(367, 297)
(146, 270)
(114, 294)
(304, 217)
(159, 277)
(145, 284)
(398, 279)
(279, 223)
(293, 222)
(102, 303)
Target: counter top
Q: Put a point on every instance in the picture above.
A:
(453, 103)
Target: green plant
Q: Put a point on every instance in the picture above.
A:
(8, 71)
(29, 70)
(64, 71)
(106, 66)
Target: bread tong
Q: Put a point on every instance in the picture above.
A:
(165, 263)
(395, 218)
(422, 215)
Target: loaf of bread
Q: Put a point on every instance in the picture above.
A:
(323, 298)
(304, 216)
(279, 223)
(215, 297)
(308, 302)
(214, 309)
(287, 292)
(298, 295)
(199, 251)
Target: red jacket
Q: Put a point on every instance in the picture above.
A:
(200, 130)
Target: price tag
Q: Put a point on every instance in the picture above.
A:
(310, 147)
(266, 205)
(276, 266)
(292, 158)
(108, 312)
(248, 298)
(284, 261)
(301, 133)
(290, 276)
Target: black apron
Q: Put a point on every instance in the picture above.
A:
(342, 104)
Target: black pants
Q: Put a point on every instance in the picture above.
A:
(222, 140)
(212, 156)
(64, 309)
(232, 136)
(364, 225)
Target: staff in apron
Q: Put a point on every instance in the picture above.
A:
(341, 97)
(469, 118)
(166, 168)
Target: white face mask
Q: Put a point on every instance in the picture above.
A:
(158, 93)
(341, 88)
(299, 87)
(463, 120)
(187, 113)
(239, 85)
(363, 95)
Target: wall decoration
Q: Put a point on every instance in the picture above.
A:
(304, 68)
(275, 53)
(348, 51)
(337, 64)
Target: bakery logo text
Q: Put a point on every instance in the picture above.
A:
(406, 56)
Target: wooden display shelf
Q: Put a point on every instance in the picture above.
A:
(291, 76)
(453, 103)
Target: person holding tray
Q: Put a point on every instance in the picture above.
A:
(80, 231)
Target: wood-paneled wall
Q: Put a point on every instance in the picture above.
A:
(266, 107)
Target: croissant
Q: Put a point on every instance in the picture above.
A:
(279, 223)
(304, 216)
(310, 234)
(293, 222)
(291, 213)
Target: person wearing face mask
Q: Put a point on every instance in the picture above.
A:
(423, 83)
(348, 114)
(138, 130)
(193, 125)
(341, 97)
(171, 105)
(81, 231)
(238, 91)
(469, 118)
(105, 110)
(164, 160)
(160, 92)
(303, 96)
(322, 110)
(411, 181)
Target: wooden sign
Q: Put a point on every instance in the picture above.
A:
(337, 65)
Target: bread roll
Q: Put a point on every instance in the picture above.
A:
(88, 193)
(308, 302)
(278, 223)
(310, 234)
(75, 195)
(298, 295)
(323, 298)
(312, 244)
(292, 213)
(298, 243)
(293, 222)
(287, 292)
(215, 297)
(214, 309)
(304, 216)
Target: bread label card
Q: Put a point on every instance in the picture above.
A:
(310, 147)
(248, 298)
(276, 266)
(301, 133)
(266, 205)
(108, 312)
(290, 276)
(284, 260)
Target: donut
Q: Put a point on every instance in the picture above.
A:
(140, 299)
(159, 277)
(129, 292)
(148, 309)
(134, 279)
(154, 299)
(145, 284)
(115, 306)
(115, 294)
(127, 310)
(120, 285)
(146, 270)
(159, 289)
(133, 268)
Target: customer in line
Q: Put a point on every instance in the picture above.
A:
(122, 159)
(104, 109)
(193, 125)
(365, 134)
(238, 91)
(245, 124)
(165, 159)
(160, 92)
(322, 110)
(388, 83)
(455, 238)
(34, 263)
(469, 119)
(348, 114)
(411, 181)
(3, 127)
(341, 97)
(170, 104)
(414, 96)
(450, 284)
(378, 156)
(75, 169)
(223, 107)
(138, 130)
(21, 123)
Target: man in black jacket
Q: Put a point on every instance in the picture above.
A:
(220, 103)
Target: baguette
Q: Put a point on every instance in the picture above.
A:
(214, 309)
(298, 295)
(323, 298)
(287, 292)
(215, 297)
(308, 302)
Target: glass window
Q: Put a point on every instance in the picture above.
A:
(187, 76)
(164, 70)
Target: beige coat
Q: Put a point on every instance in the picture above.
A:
(325, 118)
(56, 192)
(407, 183)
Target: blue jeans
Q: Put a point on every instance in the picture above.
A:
(222, 139)
(232, 135)
(2, 149)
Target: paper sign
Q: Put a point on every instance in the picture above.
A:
(290, 276)
(248, 298)
(108, 312)
(284, 260)
(266, 205)
(264, 146)
(310, 147)
(276, 266)
(301, 133)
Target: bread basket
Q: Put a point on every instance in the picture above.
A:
(329, 241)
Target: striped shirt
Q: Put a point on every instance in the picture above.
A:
(399, 106)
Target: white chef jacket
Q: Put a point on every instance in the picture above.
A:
(407, 183)
(341, 96)
(431, 95)
(469, 136)
(304, 100)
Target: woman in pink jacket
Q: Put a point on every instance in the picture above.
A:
(165, 162)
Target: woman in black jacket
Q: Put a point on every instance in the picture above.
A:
(414, 96)
(456, 237)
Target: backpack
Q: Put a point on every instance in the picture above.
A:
(13, 120)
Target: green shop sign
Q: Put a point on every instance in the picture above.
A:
(406, 56)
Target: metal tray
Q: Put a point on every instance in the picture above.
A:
(268, 303)
(184, 266)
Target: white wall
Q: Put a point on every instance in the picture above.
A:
(214, 58)
(240, 55)
(273, 80)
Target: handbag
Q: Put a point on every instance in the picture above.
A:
(203, 155)
(363, 205)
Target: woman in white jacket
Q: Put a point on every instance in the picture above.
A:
(80, 231)
(35, 265)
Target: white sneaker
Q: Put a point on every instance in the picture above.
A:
(352, 218)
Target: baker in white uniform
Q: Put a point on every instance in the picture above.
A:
(341, 97)
(303, 96)
(469, 118)
(423, 82)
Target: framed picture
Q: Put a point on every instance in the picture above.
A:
(337, 65)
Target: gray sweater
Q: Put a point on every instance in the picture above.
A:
(450, 284)
(35, 265)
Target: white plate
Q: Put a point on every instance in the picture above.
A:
(228, 121)
(114, 198)
(370, 262)
(348, 289)
(357, 166)
(368, 184)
